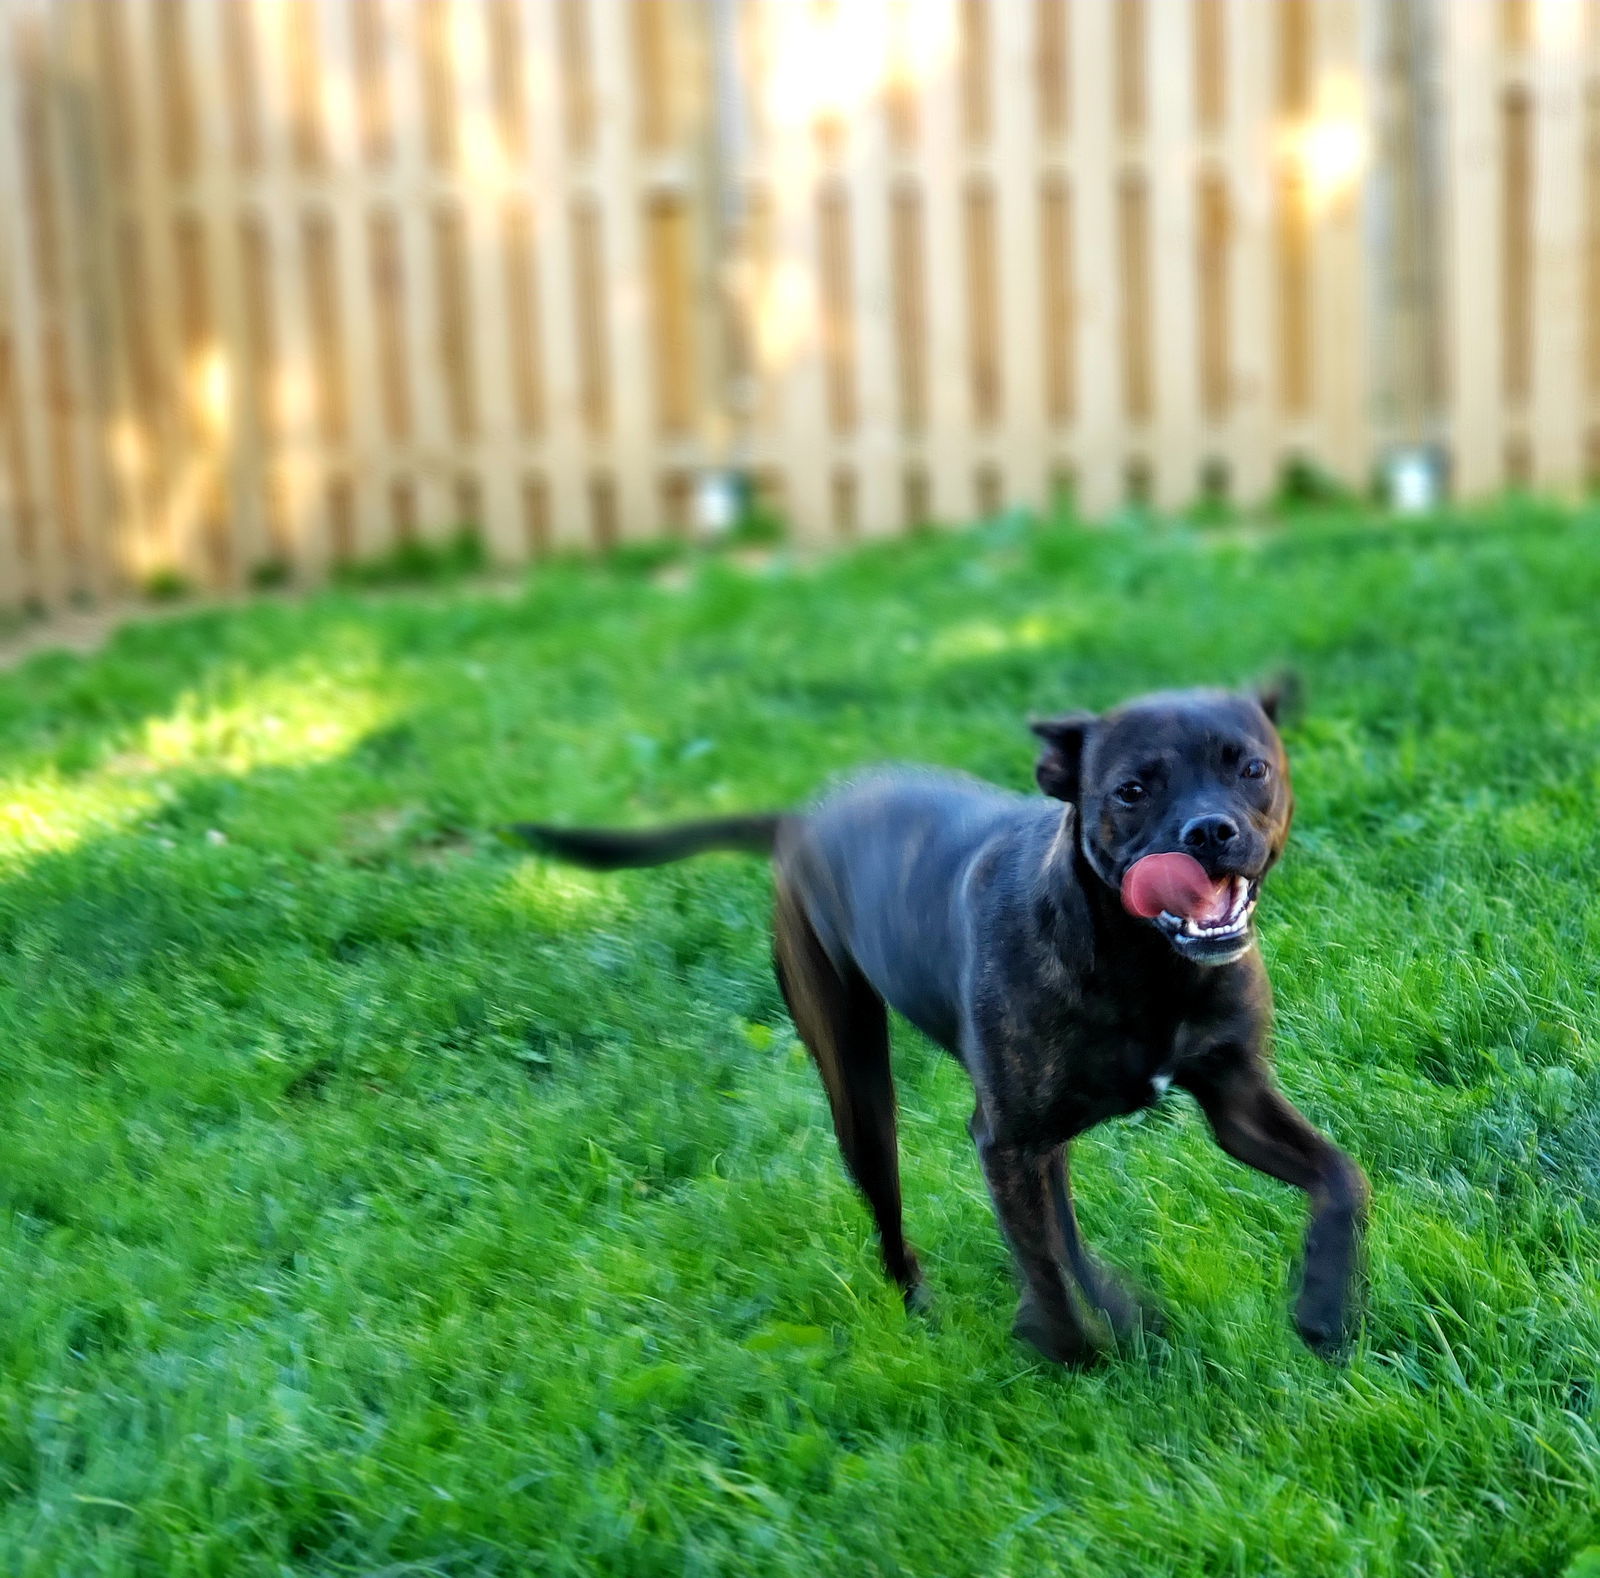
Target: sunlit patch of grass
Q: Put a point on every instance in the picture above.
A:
(558, 895)
(292, 718)
(977, 638)
(289, 719)
(43, 813)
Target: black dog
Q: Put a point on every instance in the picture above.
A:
(1075, 961)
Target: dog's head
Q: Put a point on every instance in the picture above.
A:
(1183, 805)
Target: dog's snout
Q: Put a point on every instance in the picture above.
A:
(1209, 832)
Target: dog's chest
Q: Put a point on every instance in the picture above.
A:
(1056, 1051)
(1076, 1069)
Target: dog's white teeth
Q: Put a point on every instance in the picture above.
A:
(1232, 924)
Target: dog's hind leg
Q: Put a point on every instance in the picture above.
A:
(845, 1025)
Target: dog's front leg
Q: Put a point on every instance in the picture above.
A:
(1256, 1124)
(1019, 1182)
(1101, 1286)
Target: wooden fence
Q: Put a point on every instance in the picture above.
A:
(287, 282)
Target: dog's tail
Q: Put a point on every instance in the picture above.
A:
(609, 849)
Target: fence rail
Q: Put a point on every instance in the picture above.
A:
(285, 283)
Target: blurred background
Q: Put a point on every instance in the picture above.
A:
(287, 283)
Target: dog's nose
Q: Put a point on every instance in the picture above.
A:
(1209, 832)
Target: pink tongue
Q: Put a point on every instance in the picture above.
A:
(1177, 884)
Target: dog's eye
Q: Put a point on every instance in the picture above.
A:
(1130, 793)
(1255, 768)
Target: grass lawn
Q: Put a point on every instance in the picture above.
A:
(377, 1200)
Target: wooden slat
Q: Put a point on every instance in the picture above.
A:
(836, 289)
(1052, 34)
(1097, 450)
(18, 510)
(552, 506)
(228, 535)
(136, 282)
(1591, 264)
(487, 493)
(554, 501)
(591, 322)
(519, 242)
(294, 487)
(981, 243)
(1175, 246)
(508, 78)
(575, 74)
(1343, 33)
(319, 255)
(1292, 204)
(175, 87)
(1249, 446)
(241, 79)
(38, 288)
(259, 383)
(876, 447)
(1058, 311)
(1131, 41)
(1556, 405)
(23, 514)
(386, 263)
(901, 90)
(977, 71)
(1211, 65)
(950, 451)
(1296, 54)
(420, 473)
(1134, 324)
(908, 249)
(630, 462)
(668, 247)
(374, 96)
(788, 312)
(455, 361)
(358, 523)
(303, 49)
(1215, 305)
(86, 371)
(1020, 456)
(436, 64)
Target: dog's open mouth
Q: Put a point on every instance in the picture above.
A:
(1201, 916)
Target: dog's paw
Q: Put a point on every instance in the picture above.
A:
(1327, 1336)
(1056, 1340)
(919, 1300)
(1125, 1312)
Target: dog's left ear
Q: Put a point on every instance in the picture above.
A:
(1057, 768)
(1282, 697)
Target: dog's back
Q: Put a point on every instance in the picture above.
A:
(883, 864)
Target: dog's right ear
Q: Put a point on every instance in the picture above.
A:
(1283, 697)
(1057, 769)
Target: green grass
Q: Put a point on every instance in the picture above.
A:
(377, 1201)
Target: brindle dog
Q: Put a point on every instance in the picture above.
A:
(1016, 933)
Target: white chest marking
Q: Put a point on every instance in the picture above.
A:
(1159, 1083)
